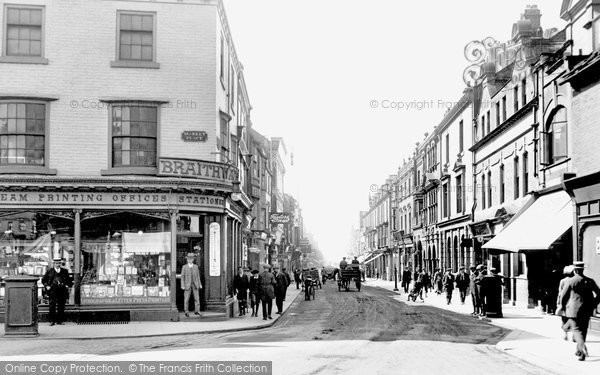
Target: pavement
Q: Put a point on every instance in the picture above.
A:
(152, 329)
(535, 338)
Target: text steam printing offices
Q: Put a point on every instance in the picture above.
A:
(124, 141)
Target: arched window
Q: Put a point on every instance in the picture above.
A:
(556, 136)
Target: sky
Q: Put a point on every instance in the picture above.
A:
(352, 85)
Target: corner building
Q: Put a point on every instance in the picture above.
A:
(123, 139)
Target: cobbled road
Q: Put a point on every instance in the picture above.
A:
(373, 314)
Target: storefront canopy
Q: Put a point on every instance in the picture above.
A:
(536, 227)
(375, 257)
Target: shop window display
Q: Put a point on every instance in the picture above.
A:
(125, 259)
(28, 243)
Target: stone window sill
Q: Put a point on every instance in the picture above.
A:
(134, 64)
(121, 171)
(23, 60)
(26, 169)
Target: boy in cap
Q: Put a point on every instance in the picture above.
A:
(254, 293)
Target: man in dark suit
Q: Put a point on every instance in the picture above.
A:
(57, 282)
(406, 277)
(288, 280)
(266, 288)
(190, 283)
(448, 285)
(578, 300)
(462, 283)
(241, 283)
(280, 287)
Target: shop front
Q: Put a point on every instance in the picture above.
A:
(124, 250)
(585, 192)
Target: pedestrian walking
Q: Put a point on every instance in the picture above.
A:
(473, 289)
(241, 284)
(437, 281)
(254, 293)
(567, 274)
(578, 300)
(190, 283)
(57, 283)
(288, 282)
(481, 289)
(426, 281)
(406, 278)
(297, 278)
(266, 287)
(462, 284)
(280, 286)
(448, 285)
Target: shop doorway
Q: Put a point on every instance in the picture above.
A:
(190, 244)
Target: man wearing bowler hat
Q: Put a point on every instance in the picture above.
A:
(190, 283)
(57, 282)
(577, 301)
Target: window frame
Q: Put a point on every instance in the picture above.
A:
(125, 170)
(461, 138)
(26, 168)
(549, 138)
(144, 64)
(4, 57)
(502, 183)
(517, 179)
(489, 187)
(525, 173)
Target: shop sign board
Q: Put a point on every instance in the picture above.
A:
(93, 199)
(200, 169)
(280, 218)
(214, 249)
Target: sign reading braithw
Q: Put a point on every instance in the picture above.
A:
(197, 169)
(280, 218)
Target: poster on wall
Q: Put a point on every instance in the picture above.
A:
(214, 249)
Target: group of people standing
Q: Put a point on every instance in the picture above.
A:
(485, 288)
(263, 288)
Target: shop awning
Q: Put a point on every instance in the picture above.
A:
(372, 259)
(538, 226)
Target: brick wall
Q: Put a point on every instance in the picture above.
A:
(585, 132)
(80, 43)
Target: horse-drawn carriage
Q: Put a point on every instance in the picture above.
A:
(328, 273)
(346, 276)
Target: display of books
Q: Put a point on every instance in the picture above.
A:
(101, 291)
(110, 291)
(127, 291)
(86, 290)
(94, 291)
(137, 290)
(152, 291)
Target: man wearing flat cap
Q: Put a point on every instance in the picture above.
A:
(577, 302)
(57, 282)
(190, 283)
(462, 283)
(448, 284)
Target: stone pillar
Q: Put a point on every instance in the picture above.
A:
(173, 269)
(77, 257)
